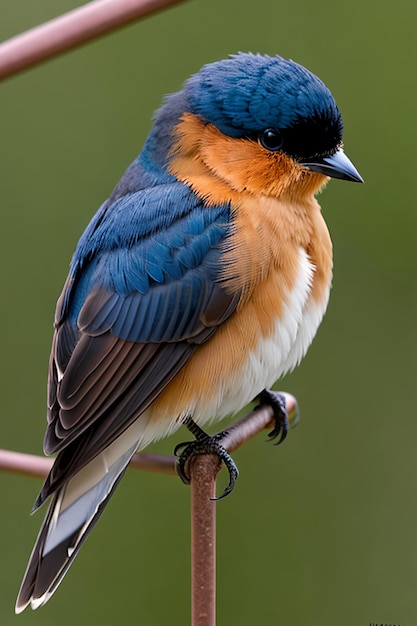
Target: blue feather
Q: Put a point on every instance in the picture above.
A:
(248, 92)
(153, 250)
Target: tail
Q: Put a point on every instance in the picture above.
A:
(72, 514)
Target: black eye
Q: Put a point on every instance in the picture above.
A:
(271, 139)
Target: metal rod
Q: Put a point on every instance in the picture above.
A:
(71, 30)
(203, 470)
(25, 464)
(39, 467)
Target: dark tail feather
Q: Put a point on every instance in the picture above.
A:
(72, 514)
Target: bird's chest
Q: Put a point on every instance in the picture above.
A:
(272, 332)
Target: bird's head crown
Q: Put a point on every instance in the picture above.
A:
(248, 94)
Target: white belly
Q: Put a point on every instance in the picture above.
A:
(281, 351)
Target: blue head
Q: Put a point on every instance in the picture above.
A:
(269, 99)
(248, 94)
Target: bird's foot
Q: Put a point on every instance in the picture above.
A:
(204, 444)
(277, 402)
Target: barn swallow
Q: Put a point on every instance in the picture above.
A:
(195, 287)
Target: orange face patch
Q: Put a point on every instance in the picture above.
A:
(219, 168)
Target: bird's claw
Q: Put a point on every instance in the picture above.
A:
(277, 402)
(205, 444)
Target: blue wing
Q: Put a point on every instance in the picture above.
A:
(143, 292)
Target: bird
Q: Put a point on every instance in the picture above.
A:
(198, 284)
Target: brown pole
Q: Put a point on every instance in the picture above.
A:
(203, 470)
(71, 30)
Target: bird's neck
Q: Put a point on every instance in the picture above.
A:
(151, 166)
(158, 146)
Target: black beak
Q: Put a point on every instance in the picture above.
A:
(336, 166)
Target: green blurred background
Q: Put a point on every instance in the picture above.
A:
(323, 529)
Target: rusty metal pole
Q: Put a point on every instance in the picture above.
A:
(203, 471)
(72, 29)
